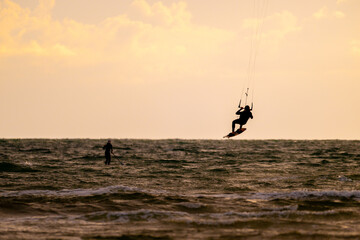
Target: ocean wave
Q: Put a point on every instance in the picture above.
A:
(299, 195)
(12, 167)
(235, 218)
(190, 205)
(88, 157)
(79, 192)
(266, 196)
(214, 219)
(148, 215)
(296, 195)
(39, 150)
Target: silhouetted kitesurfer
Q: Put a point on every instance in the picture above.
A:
(244, 117)
(108, 149)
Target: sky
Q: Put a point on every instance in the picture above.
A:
(177, 69)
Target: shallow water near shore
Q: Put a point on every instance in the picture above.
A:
(179, 189)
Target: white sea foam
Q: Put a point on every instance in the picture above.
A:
(344, 179)
(28, 163)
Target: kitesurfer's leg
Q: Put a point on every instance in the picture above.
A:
(108, 158)
(233, 124)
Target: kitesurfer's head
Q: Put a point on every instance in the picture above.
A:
(109, 141)
(247, 108)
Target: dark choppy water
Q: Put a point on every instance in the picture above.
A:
(180, 189)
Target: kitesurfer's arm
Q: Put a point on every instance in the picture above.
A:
(251, 116)
(239, 111)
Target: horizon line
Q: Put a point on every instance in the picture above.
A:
(125, 138)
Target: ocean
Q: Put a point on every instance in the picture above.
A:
(179, 189)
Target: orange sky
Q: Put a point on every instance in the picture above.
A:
(175, 69)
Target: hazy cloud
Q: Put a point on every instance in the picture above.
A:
(287, 22)
(339, 14)
(324, 12)
(175, 14)
(321, 13)
(355, 47)
(340, 1)
(164, 40)
(278, 27)
(25, 32)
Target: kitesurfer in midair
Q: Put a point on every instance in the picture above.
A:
(244, 117)
(108, 149)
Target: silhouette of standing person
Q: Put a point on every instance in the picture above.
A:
(108, 149)
(243, 118)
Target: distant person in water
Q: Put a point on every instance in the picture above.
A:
(244, 117)
(108, 149)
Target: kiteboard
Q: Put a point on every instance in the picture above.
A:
(233, 134)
